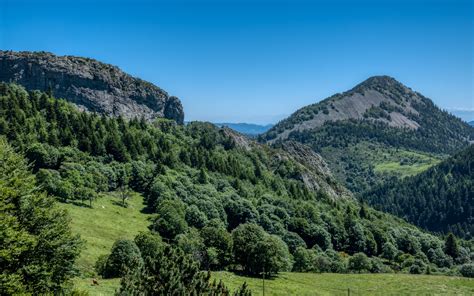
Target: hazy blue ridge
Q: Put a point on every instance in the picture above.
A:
(246, 128)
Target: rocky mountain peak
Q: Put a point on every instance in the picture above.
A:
(90, 84)
(379, 98)
(383, 81)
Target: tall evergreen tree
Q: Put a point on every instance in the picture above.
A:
(37, 248)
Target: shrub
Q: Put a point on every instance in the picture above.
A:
(359, 262)
(256, 251)
(101, 264)
(124, 256)
(417, 267)
(467, 270)
(170, 220)
(303, 259)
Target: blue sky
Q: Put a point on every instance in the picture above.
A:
(257, 61)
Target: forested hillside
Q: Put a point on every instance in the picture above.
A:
(380, 116)
(223, 200)
(440, 199)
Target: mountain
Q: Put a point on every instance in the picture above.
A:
(440, 199)
(90, 84)
(376, 130)
(221, 198)
(471, 123)
(247, 128)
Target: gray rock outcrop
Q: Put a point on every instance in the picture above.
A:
(90, 84)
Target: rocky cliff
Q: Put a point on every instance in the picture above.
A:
(90, 84)
(312, 170)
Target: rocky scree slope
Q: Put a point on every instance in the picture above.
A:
(90, 84)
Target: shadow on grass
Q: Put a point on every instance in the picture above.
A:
(254, 276)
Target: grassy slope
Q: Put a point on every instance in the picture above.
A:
(291, 283)
(359, 284)
(382, 160)
(107, 221)
(103, 224)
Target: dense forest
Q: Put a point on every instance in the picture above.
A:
(440, 199)
(223, 203)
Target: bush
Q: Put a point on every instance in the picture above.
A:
(467, 270)
(171, 219)
(303, 260)
(417, 267)
(101, 264)
(148, 243)
(359, 263)
(255, 250)
(124, 256)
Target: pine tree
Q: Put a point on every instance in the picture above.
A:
(37, 246)
(451, 247)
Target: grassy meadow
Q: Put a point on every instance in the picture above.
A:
(107, 221)
(306, 284)
(104, 223)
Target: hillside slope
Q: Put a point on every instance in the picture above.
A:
(92, 85)
(379, 115)
(199, 180)
(440, 199)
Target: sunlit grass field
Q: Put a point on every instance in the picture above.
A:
(292, 283)
(106, 222)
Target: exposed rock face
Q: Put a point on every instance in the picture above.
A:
(90, 84)
(317, 176)
(379, 98)
(314, 171)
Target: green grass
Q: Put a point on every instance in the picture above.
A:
(108, 221)
(365, 164)
(418, 162)
(305, 284)
(290, 283)
(101, 225)
(105, 287)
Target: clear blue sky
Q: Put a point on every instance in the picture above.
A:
(258, 61)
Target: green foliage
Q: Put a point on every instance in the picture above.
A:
(218, 240)
(439, 199)
(199, 183)
(37, 247)
(123, 257)
(451, 247)
(170, 271)
(256, 251)
(170, 220)
(359, 263)
(467, 270)
(149, 244)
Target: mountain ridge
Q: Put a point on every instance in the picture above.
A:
(368, 100)
(252, 129)
(90, 84)
(380, 115)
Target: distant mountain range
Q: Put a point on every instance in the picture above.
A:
(471, 123)
(247, 128)
(378, 129)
